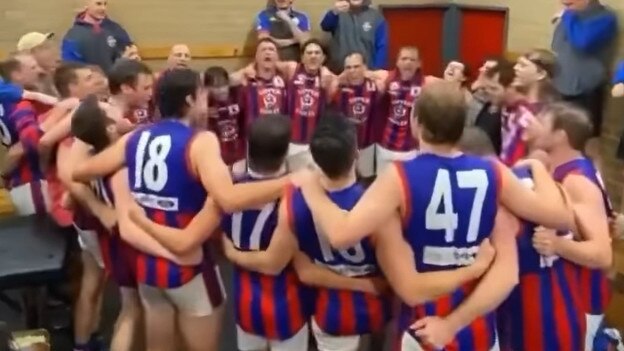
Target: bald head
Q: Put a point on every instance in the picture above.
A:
(179, 56)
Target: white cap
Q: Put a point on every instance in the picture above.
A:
(31, 40)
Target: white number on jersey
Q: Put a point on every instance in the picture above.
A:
(152, 171)
(443, 195)
(256, 231)
(5, 136)
(353, 255)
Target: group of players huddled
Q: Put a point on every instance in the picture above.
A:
(456, 243)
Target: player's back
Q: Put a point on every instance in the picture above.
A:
(451, 206)
(547, 295)
(163, 182)
(270, 306)
(340, 312)
(594, 285)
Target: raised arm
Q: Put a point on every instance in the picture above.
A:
(346, 228)
(106, 162)
(216, 178)
(396, 259)
(592, 33)
(133, 234)
(491, 291)
(545, 204)
(181, 241)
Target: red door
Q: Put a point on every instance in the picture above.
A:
(420, 27)
(483, 34)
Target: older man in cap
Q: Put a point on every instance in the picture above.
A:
(46, 53)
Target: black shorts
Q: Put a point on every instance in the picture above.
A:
(593, 103)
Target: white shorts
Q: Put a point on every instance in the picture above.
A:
(366, 161)
(408, 343)
(327, 342)
(89, 242)
(299, 157)
(239, 168)
(593, 324)
(27, 197)
(192, 298)
(251, 342)
(385, 157)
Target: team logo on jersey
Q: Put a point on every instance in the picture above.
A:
(306, 99)
(140, 115)
(399, 113)
(233, 110)
(112, 42)
(415, 91)
(367, 26)
(228, 131)
(269, 99)
(278, 82)
(394, 86)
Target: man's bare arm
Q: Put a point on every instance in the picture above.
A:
(12, 158)
(216, 178)
(132, 234)
(106, 162)
(500, 279)
(594, 249)
(344, 229)
(544, 205)
(278, 254)
(181, 241)
(396, 259)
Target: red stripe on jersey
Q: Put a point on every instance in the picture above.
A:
(585, 285)
(347, 310)
(267, 305)
(244, 307)
(141, 267)
(375, 312)
(162, 272)
(529, 290)
(294, 308)
(605, 292)
(560, 315)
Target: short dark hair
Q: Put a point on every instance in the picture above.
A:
(441, 112)
(126, 72)
(66, 75)
(573, 121)
(173, 88)
(266, 40)
(89, 124)
(314, 41)
(8, 67)
(269, 138)
(505, 71)
(357, 53)
(334, 145)
(216, 76)
(475, 141)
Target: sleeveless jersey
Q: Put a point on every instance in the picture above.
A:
(18, 123)
(264, 97)
(451, 207)
(228, 126)
(544, 311)
(396, 132)
(162, 182)
(269, 306)
(360, 104)
(306, 101)
(515, 119)
(340, 312)
(595, 288)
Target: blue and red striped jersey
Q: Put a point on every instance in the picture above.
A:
(18, 124)
(229, 126)
(396, 132)
(544, 311)
(451, 205)
(262, 97)
(306, 101)
(594, 285)
(269, 306)
(163, 183)
(340, 312)
(360, 103)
